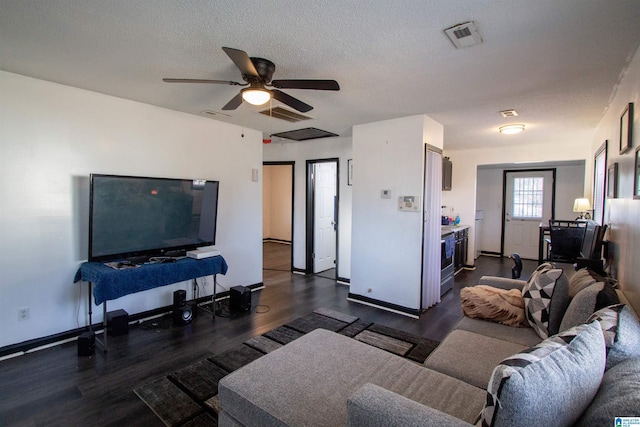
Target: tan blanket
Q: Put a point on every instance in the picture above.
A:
(494, 304)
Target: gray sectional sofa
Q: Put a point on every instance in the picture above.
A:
(483, 373)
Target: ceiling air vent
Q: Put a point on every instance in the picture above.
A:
(509, 113)
(304, 134)
(284, 114)
(210, 113)
(464, 35)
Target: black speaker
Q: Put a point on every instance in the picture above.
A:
(185, 314)
(179, 298)
(87, 343)
(239, 299)
(117, 322)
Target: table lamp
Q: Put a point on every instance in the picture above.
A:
(582, 206)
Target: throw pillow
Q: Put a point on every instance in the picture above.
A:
(494, 304)
(546, 297)
(618, 396)
(589, 300)
(550, 384)
(621, 329)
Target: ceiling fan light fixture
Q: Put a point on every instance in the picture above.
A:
(256, 96)
(511, 129)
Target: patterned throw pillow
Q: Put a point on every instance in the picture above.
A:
(621, 329)
(546, 297)
(550, 384)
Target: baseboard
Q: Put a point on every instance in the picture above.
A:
(59, 338)
(405, 311)
(272, 240)
(490, 253)
(343, 280)
(299, 270)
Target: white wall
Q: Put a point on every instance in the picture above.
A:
(623, 214)
(462, 197)
(386, 243)
(300, 152)
(51, 138)
(569, 186)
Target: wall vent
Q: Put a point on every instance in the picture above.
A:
(464, 35)
(285, 114)
(509, 113)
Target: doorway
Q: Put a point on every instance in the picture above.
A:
(277, 215)
(322, 217)
(528, 200)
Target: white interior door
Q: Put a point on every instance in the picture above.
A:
(324, 241)
(528, 201)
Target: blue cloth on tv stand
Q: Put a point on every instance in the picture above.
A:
(110, 283)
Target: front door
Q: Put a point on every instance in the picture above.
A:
(528, 202)
(324, 241)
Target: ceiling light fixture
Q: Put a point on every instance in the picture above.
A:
(511, 129)
(256, 96)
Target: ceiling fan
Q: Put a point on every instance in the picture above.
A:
(257, 73)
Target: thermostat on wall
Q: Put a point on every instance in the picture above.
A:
(408, 203)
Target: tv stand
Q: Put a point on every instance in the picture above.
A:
(106, 283)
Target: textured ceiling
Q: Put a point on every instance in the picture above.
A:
(557, 62)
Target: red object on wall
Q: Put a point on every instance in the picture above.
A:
(266, 141)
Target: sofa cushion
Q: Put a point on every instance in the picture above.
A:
(308, 382)
(470, 357)
(524, 336)
(621, 330)
(546, 297)
(587, 301)
(581, 279)
(618, 396)
(549, 384)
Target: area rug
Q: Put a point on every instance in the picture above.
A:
(188, 397)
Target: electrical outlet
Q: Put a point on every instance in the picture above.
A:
(23, 313)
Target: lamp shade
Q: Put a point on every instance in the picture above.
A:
(256, 96)
(581, 205)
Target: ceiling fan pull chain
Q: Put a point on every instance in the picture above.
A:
(242, 134)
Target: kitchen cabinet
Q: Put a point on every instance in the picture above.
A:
(447, 169)
(462, 246)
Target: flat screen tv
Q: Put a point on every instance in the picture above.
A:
(132, 216)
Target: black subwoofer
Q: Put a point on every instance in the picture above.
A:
(117, 322)
(185, 314)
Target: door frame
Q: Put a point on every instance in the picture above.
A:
(310, 212)
(504, 197)
(293, 197)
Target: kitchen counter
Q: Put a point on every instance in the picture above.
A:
(446, 229)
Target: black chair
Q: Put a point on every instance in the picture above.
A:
(566, 239)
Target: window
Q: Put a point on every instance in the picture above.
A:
(528, 197)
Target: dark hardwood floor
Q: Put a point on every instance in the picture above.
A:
(55, 387)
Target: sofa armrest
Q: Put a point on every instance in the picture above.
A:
(375, 406)
(501, 282)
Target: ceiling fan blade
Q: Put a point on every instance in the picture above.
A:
(221, 82)
(306, 84)
(291, 101)
(242, 61)
(234, 103)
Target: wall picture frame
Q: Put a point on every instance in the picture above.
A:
(636, 174)
(626, 129)
(612, 181)
(350, 172)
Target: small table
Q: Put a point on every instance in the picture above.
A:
(108, 283)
